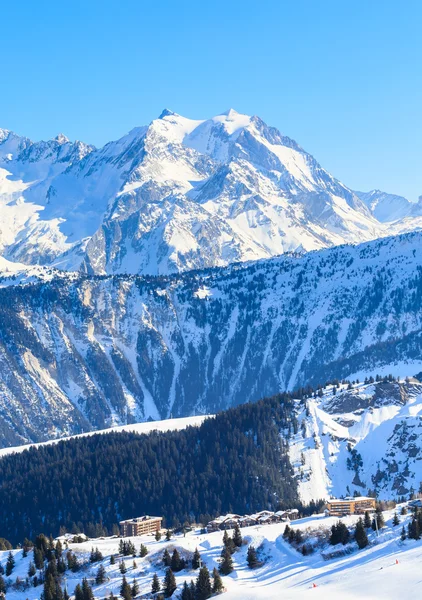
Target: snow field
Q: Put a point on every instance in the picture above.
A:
(370, 573)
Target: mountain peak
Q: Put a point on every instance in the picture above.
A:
(61, 139)
(167, 113)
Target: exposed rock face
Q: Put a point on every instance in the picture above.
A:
(84, 352)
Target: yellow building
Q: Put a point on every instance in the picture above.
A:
(140, 526)
(350, 506)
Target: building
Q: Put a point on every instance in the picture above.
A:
(350, 506)
(140, 526)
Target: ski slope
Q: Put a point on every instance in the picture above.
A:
(387, 569)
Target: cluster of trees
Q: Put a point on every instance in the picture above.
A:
(201, 589)
(235, 462)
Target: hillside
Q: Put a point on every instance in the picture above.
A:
(363, 440)
(176, 195)
(79, 353)
(388, 568)
(236, 461)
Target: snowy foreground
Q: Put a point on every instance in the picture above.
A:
(388, 568)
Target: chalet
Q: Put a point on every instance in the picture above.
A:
(350, 506)
(287, 515)
(247, 521)
(140, 526)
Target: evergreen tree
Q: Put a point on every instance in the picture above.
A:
(59, 549)
(122, 567)
(143, 551)
(237, 536)
(226, 564)
(135, 588)
(78, 593)
(87, 590)
(396, 520)
(176, 563)
(413, 529)
(169, 584)
(367, 521)
(10, 564)
(252, 558)
(203, 584)
(196, 559)
(360, 534)
(155, 585)
(101, 575)
(217, 583)
(286, 532)
(403, 534)
(158, 535)
(339, 534)
(166, 558)
(31, 569)
(112, 559)
(125, 590)
(168, 535)
(403, 511)
(228, 542)
(186, 592)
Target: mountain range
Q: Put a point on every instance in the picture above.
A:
(177, 195)
(81, 352)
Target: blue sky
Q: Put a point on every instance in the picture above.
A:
(342, 78)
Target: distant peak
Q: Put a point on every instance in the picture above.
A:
(61, 139)
(230, 113)
(167, 113)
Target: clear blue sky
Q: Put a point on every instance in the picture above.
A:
(341, 77)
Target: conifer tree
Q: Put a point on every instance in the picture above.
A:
(169, 584)
(252, 558)
(125, 590)
(403, 511)
(168, 535)
(228, 542)
(237, 536)
(31, 569)
(10, 564)
(226, 564)
(203, 584)
(112, 559)
(101, 575)
(122, 567)
(158, 535)
(186, 592)
(360, 534)
(367, 521)
(396, 520)
(135, 588)
(403, 534)
(196, 559)
(143, 551)
(78, 593)
(155, 585)
(286, 532)
(175, 563)
(87, 590)
(166, 558)
(217, 583)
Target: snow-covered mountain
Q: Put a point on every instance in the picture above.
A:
(364, 438)
(85, 352)
(390, 207)
(176, 195)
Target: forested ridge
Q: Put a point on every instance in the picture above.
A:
(236, 461)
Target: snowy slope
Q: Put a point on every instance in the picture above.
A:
(81, 352)
(387, 568)
(390, 207)
(176, 195)
(360, 440)
(141, 428)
